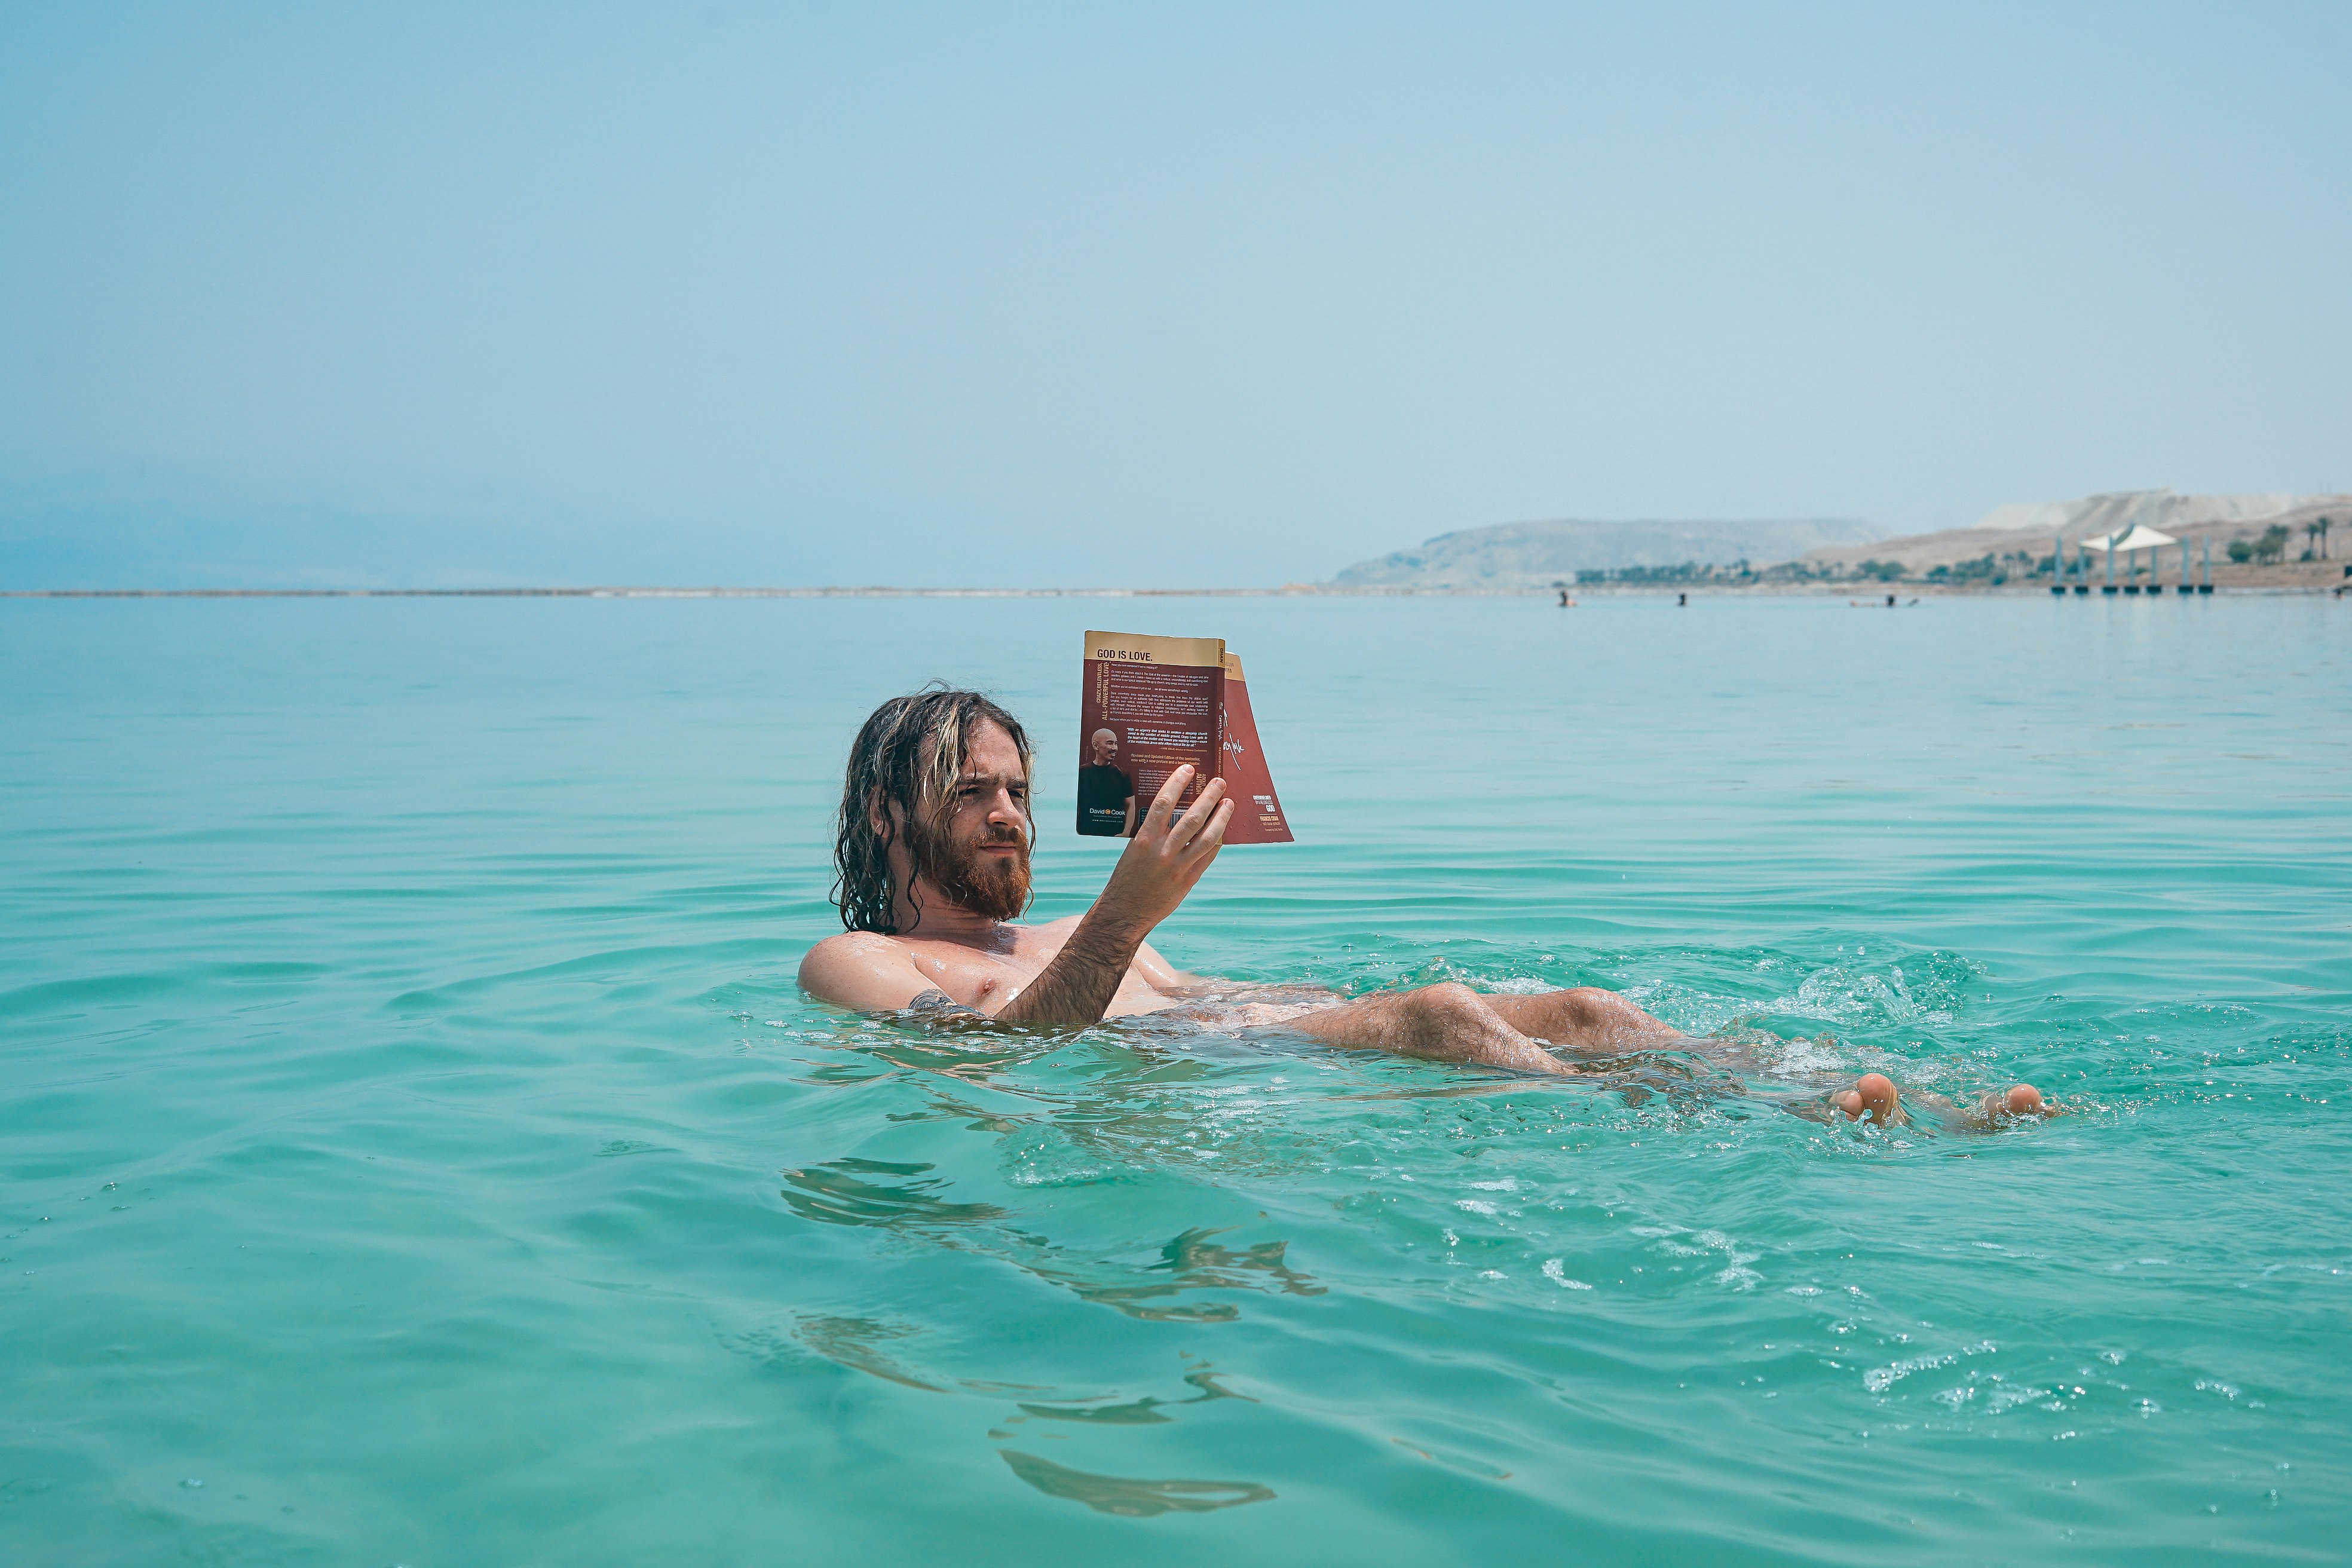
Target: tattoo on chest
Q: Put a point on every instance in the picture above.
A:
(938, 1004)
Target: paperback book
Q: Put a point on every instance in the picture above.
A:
(1152, 704)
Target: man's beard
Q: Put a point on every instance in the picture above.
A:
(992, 887)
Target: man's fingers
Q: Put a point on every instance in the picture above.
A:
(1188, 827)
(1205, 843)
(1171, 790)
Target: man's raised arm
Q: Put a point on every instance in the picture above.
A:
(1161, 864)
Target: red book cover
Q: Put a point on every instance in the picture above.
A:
(1151, 705)
(1257, 811)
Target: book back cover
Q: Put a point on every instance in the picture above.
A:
(1257, 812)
(1150, 706)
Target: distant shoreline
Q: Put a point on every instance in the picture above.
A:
(1867, 591)
(876, 592)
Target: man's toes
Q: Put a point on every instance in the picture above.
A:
(1872, 1094)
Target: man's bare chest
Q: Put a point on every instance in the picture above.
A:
(987, 978)
(973, 975)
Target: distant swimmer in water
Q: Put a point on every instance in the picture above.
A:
(932, 856)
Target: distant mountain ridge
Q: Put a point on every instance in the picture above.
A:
(2032, 525)
(2159, 508)
(1535, 554)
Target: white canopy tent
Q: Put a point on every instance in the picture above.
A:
(2138, 536)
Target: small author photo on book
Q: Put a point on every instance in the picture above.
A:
(1106, 792)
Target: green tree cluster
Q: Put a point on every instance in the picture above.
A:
(1991, 568)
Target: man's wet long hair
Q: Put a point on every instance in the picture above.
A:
(910, 752)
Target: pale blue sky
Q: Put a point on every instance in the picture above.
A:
(1144, 294)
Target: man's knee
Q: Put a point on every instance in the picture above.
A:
(1592, 1005)
(1445, 1003)
(1441, 1018)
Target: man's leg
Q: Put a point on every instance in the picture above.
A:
(1443, 1023)
(1587, 1020)
(1453, 1023)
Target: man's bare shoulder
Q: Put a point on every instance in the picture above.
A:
(853, 946)
(859, 942)
(861, 969)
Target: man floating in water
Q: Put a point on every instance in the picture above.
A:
(932, 852)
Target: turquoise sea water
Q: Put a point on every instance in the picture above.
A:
(417, 1149)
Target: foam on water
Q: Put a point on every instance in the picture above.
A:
(418, 1149)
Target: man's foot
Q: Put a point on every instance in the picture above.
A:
(2018, 1100)
(1873, 1096)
